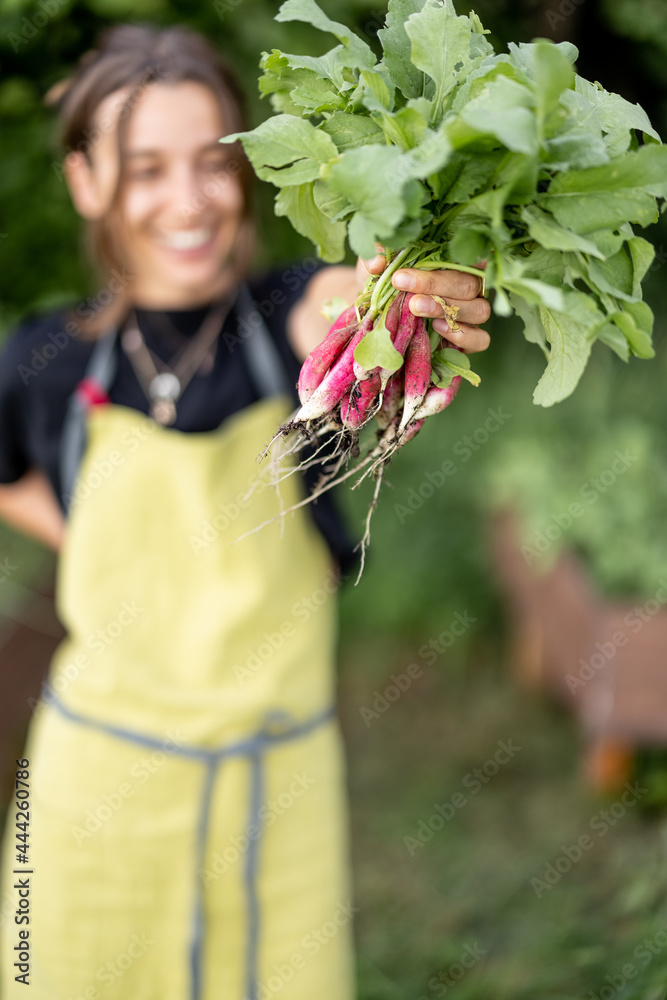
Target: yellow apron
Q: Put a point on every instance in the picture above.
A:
(188, 824)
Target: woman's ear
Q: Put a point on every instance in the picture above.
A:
(82, 186)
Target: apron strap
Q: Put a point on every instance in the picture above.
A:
(266, 367)
(263, 361)
(101, 369)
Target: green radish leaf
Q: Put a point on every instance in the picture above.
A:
(285, 140)
(430, 156)
(357, 52)
(334, 205)
(643, 255)
(467, 175)
(533, 328)
(362, 235)
(448, 362)
(614, 338)
(470, 244)
(298, 204)
(552, 73)
(544, 229)
(465, 373)
(605, 197)
(440, 47)
(349, 131)
(535, 292)
(613, 111)
(367, 179)
(404, 128)
(451, 356)
(376, 349)
(639, 340)
(614, 276)
(397, 47)
(377, 96)
(570, 335)
(504, 110)
(442, 378)
(522, 55)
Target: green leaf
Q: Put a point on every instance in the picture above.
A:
(304, 88)
(613, 111)
(349, 131)
(331, 66)
(503, 110)
(440, 47)
(638, 339)
(289, 143)
(452, 355)
(544, 229)
(614, 276)
(536, 292)
(570, 335)
(614, 338)
(552, 73)
(470, 245)
(522, 55)
(632, 321)
(377, 96)
(465, 175)
(376, 349)
(333, 204)
(605, 197)
(533, 328)
(362, 235)
(367, 178)
(404, 128)
(298, 204)
(357, 52)
(397, 47)
(643, 255)
(430, 156)
(449, 362)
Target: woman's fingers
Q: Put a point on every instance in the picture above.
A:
(473, 311)
(447, 283)
(459, 290)
(471, 339)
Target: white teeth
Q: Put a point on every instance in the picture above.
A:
(187, 239)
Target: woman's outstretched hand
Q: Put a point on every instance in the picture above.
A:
(456, 287)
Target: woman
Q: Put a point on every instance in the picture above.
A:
(187, 824)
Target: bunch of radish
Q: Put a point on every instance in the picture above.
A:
(341, 397)
(336, 388)
(446, 152)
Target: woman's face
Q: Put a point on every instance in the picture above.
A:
(181, 202)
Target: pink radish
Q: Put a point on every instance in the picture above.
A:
(336, 383)
(357, 407)
(436, 399)
(417, 372)
(320, 360)
(391, 400)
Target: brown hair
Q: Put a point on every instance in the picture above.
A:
(135, 56)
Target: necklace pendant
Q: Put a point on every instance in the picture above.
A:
(163, 411)
(164, 384)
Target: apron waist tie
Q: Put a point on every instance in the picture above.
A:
(253, 747)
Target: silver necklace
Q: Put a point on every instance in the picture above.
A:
(163, 384)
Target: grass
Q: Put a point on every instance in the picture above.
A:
(467, 892)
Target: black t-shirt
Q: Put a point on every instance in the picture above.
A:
(42, 363)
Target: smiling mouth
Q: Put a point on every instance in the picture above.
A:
(187, 239)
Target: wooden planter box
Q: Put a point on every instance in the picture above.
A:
(606, 661)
